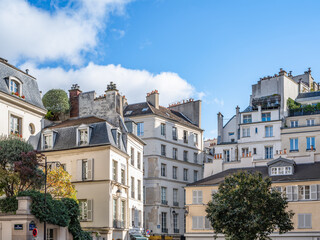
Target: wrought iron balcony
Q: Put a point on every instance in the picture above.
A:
(164, 202)
(176, 204)
(176, 230)
(164, 230)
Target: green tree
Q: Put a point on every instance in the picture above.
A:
(56, 101)
(245, 208)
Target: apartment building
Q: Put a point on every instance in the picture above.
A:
(20, 102)
(252, 137)
(300, 183)
(173, 157)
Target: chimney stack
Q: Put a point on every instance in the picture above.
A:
(220, 127)
(74, 93)
(153, 98)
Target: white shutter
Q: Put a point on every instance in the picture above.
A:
(90, 169)
(194, 222)
(313, 190)
(207, 224)
(295, 193)
(200, 222)
(90, 210)
(289, 193)
(301, 221)
(307, 220)
(199, 197)
(194, 196)
(79, 170)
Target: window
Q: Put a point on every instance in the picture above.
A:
(163, 170)
(115, 170)
(245, 152)
(207, 223)
(226, 155)
(266, 117)
(195, 157)
(174, 133)
(175, 223)
(304, 192)
(47, 141)
(197, 222)
(15, 125)
(197, 197)
(175, 172)
(164, 196)
(119, 139)
(195, 175)
(83, 136)
(140, 129)
(84, 169)
(305, 220)
(185, 174)
(185, 136)
(287, 170)
(185, 156)
(115, 207)
(85, 210)
(144, 109)
(310, 122)
(256, 130)
(231, 133)
(247, 118)
(294, 123)
(268, 152)
(195, 138)
(294, 144)
(123, 213)
(175, 197)
(32, 128)
(123, 175)
(254, 151)
(245, 132)
(164, 228)
(139, 160)
(50, 234)
(311, 143)
(269, 131)
(139, 189)
(163, 129)
(175, 153)
(132, 187)
(15, 87)
(132, 156)
(163, 150)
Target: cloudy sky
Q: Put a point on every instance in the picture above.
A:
(210, 49)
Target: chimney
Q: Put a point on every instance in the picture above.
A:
(282, 72)
(153, 98)
(220, 128)
(74, 93)
(27, 71)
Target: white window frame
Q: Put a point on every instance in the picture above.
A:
(197, 197)
(267, 154)
(294, 144)
(85, 140)
(284, 170)
(268, 131)
(294, 123)
(302, 219)
(247, 118)
(140, 129)
(86, 210)
(310, 122)
(266, 117)
(19, 83)
(246, 132)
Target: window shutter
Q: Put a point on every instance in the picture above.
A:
(289, 193)
(307, 220)
(206, 223)
(301, 221)
(295, 193)
(319, 193)
(199, 197)
(90, 210)
(200, 222)
(79, 170)
(194, 197)
(313, 190)
(194, 223)
(90, 169)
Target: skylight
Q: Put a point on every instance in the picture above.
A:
(144, 109)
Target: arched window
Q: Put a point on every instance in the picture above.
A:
(14, 87)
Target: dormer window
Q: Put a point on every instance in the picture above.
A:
(47, 141)
(83, 135)
(15, 86)
(286, 170)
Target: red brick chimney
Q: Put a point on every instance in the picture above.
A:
(74, 93)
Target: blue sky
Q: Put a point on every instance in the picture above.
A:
(185, 48)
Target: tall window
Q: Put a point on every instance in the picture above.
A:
(123, 213)
(14, 87)
(140, 129)
(311, 143)
(185, 156)
(310, 122)
(247, 118)
(197, 197)
(115, 170)
(195, 138)
(195, 157)
(294, 123)
(15, 125)
(164, 228)
(269, 131)
(174, 133)
(226, 155)
(115, 212)
(163, 170)
(139, 160)
(245, 132)
(85, 168)
(175, 153)
(164, 195)
(195, 175)
(132, 187)
(163, 150)
(294, 144)
(123, 176)
(47, 141)
(139, 189)
(175, 223)
(119, 139)
(266, 117)
(268, 152)
(304, 192)
(245, 152)
(132, 156)
(185, 174)
(85, 206)
(83, 137)
(163, 129)
(185, 136)
(175, 197)
(174, 172)
(305, 220)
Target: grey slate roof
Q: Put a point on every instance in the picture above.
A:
(66, 134)
(302, 172)
(308, 95)
(29, 87)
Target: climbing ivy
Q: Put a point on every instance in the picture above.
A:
(8, 205)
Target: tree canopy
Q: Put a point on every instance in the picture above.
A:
(246, 208)
(56, 101)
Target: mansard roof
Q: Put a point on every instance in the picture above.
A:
(29, 84)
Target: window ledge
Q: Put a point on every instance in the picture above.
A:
(294, 150)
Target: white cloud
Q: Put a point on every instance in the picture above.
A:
(134, 84)
(218, 101)
(31, 33)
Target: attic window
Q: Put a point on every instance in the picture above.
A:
(83, 136)
(128, 112)
(15, 86)
(144, 109)
(47, 141)
(276, 171)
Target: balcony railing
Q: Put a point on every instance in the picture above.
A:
(119, 224)
(164, 230)
(176, 230)
(301, 112)
(164, 202)
(176, 204)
